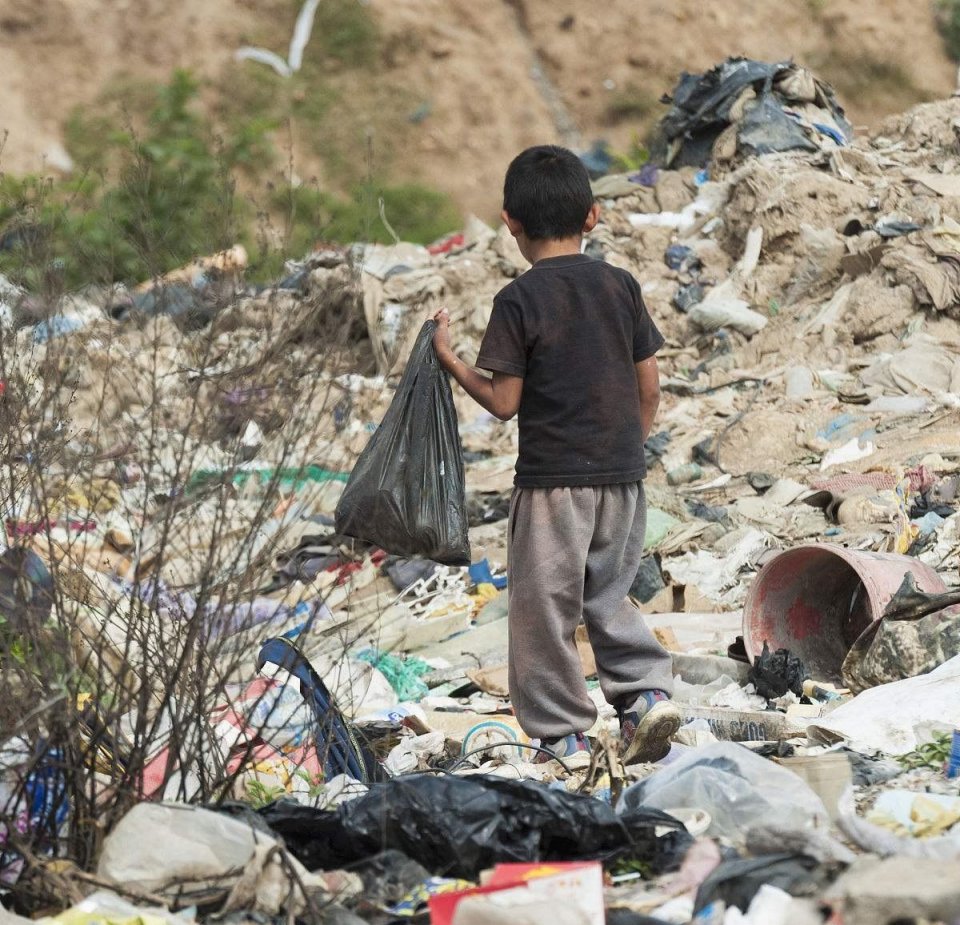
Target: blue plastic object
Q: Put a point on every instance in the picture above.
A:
(480, 574)
(46, 792)
(337, 743)
(953, 765)
(55, 326)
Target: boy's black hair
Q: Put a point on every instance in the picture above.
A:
(547, 190)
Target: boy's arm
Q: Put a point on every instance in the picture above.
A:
(500, 395)
(648, 381)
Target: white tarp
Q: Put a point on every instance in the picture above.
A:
(887, 718)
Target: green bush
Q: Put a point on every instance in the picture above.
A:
(152, 194)
(343, 33)
(175, 195)
(309, 215)
(147, 200)
(948, 21)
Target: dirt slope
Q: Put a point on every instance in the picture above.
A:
(492, 77)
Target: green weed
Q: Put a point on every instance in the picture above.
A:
(344, 35)
(309, 214)
(633, 158)
(948, 22)
(932, 754)
(151, 197)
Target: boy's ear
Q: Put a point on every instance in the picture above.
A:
(593, 216)
(516, 229)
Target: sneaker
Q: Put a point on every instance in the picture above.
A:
(573, 750)
(646, 730)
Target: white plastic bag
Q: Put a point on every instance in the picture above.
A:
(886, 718)
(723, 308)
(736, 787)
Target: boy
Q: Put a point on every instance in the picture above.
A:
(572, 348)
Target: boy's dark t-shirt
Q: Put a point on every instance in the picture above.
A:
(573, 327)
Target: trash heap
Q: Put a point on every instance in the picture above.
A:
(178, 453)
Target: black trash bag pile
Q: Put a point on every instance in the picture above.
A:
(459, 826)
(655, 448)
(775, 673)
(770, 107)
(406, 492)
(649, 581)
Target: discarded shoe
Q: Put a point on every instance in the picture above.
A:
(646, 731)
(573, 750)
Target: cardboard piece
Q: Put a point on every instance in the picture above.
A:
(492, 681)
(745, 725)
(570, 892)
(667, 638)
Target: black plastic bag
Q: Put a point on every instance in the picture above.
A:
(459, 826)
(736, 881)
(767, 129)
(775, 673)
(703, 104)
(389, 877)
(406, 492)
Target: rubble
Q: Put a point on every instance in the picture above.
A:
(176, 456)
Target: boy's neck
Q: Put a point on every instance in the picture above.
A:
(558, 247)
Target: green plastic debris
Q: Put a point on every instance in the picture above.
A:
(404, 674)
(494, 609)
(286, 478)
(659, 524)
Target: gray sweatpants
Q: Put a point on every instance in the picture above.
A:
(573, 553)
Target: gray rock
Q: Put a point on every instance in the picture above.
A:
(877, 891)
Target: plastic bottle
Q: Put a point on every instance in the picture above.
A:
(691, 472)
(953, 764)
(816, 692)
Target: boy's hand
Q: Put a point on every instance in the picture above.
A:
(499, 395)
(441, 339)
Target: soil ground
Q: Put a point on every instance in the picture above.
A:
(482, 79)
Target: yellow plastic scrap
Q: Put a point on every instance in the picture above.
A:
(98, 496)
(928, 819)
(906, 532)
(78, 915)
(484, 593)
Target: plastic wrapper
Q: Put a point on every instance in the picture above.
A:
(459, 826)
(736, 787)
(406, 492)
(888, 718)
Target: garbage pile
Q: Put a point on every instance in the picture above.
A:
(177, 456)
(750, 107)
